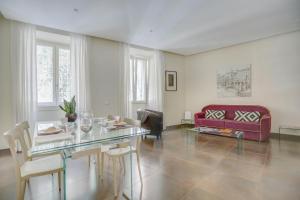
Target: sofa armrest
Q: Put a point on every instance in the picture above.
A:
(265, 123)
(199, 115)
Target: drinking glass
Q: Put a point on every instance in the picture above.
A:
(69, 127)
(86, 122)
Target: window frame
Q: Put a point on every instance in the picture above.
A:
(55, 52)
(134, 88)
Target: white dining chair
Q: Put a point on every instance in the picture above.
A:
(89, 152)
(25, 128)
(26, 168)
(124, 148)
(84, 151)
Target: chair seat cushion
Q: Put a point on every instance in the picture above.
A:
(41, 165)
(243, 126)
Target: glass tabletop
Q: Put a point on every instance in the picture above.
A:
(218, 131)
(77, 138)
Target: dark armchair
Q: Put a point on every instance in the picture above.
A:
(151, 120)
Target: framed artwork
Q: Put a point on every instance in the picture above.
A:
(234, 81)
(171, 80)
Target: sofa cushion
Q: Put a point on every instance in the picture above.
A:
(215, 114)
(243, 126)
(212, 123)
(244, 116)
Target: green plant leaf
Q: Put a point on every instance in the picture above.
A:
(62, 108)
(73, 103)
(69, 106)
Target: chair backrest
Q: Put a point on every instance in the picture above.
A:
(136, 123)
(12, 136)
(132, 122)
(25, 127)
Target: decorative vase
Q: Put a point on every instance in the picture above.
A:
(71, 117)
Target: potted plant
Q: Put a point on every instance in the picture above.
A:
(70, 109)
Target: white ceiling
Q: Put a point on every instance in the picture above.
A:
(180, 26)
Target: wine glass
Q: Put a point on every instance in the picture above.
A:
(86, 122)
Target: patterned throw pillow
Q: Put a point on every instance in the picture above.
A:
(215, 114)
(244, 116)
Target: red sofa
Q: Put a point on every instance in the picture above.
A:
(259, 131)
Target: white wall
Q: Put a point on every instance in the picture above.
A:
(5, 80)
(275, 77)
(174, 101)
(105, 61)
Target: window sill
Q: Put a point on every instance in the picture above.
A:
(47, 108)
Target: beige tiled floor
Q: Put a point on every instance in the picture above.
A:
(204, 167)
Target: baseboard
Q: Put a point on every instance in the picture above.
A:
(179, 126)
(285, 137)
(172, 127)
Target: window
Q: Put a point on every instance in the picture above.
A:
(53, 73)
(138, 78)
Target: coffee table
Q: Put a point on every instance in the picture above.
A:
(238, 135)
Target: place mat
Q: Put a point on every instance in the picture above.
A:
(110, 128)
(53, 138)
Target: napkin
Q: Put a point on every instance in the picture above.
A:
(49, 131)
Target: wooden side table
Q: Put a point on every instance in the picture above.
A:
(282, 127)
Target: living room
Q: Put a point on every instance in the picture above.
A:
(174, 58)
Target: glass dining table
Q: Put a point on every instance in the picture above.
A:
(66, 143)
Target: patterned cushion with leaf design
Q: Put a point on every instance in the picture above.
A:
(215, 114)
(244, 116)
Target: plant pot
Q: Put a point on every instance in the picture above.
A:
(71, 117)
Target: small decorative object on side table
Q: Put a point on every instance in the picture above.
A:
(70, 109)
(187, 120)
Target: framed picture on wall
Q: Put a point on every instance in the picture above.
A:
(234, 81)
(171, 80)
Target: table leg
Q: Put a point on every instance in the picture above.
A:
(64, 177)
(239, 144)
(131, 176)
(130, 191)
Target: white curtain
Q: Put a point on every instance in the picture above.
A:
(80, 71)
(126, 90)
(23, 63)
(156, 83)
